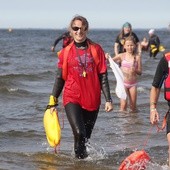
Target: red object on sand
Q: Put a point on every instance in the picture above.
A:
(135, 161)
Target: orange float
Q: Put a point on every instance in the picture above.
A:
(135, 161)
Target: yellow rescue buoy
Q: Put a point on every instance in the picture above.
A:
(52, 127)
(161, 48)
(154, 48)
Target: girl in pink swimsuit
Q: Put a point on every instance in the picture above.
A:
(131, 67)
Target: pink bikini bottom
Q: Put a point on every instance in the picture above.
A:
(130, 84)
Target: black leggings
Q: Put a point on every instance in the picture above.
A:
(153, 54)
(82, 122)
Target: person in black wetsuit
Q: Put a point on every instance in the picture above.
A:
(153, 44)
(160, 75)
(67, 39)
(125, 32)
(81, 75)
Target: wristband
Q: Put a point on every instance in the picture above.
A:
(110, 100)
(153, 109)
(153, 103)
(53, 101)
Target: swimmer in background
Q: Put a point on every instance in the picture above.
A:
(67, 39)
(125, 32)
(154, 43)
(144, 44)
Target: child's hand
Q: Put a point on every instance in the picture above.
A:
(107, 55)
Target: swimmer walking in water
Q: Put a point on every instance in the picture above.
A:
(82, 75)
(131, 66)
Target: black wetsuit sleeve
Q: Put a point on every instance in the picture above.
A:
(105, 86)
(57, 40)
(157, 42)
(154, 40)
(59, 84)
(117, 39)
(161, 73)
(135, 37)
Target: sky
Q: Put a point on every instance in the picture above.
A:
(57, 14)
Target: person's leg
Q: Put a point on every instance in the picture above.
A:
(89, 120)
(123, 103)
(168, 136)
(75, 117)
(150, 53)
(133, 98)
(155, 53)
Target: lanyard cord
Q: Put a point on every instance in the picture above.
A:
(81, 62)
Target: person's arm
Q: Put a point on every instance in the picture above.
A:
(160, 75)
(59, 84)
(149, 43)
(56, 42)
(139, 48)
(106, 91)
(105, 86)
(57, 89)
(157, 42)
(118, 58)
(139, 69)
(116, 45)
(138, 45)
(154, 95)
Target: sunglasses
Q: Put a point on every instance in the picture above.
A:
(78, 28)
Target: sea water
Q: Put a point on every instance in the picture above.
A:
(27, 72)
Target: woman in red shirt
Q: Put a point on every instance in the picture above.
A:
(82, 74)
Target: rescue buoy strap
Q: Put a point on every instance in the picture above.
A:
(50, 106)
(167, 89)
(164, 122)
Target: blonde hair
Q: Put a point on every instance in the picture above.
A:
(130, 38)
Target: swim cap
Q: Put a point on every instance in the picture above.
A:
(127, 24)
(151, 31)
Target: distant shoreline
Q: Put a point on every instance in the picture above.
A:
(90, 28)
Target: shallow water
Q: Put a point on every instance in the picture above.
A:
(27, 69)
